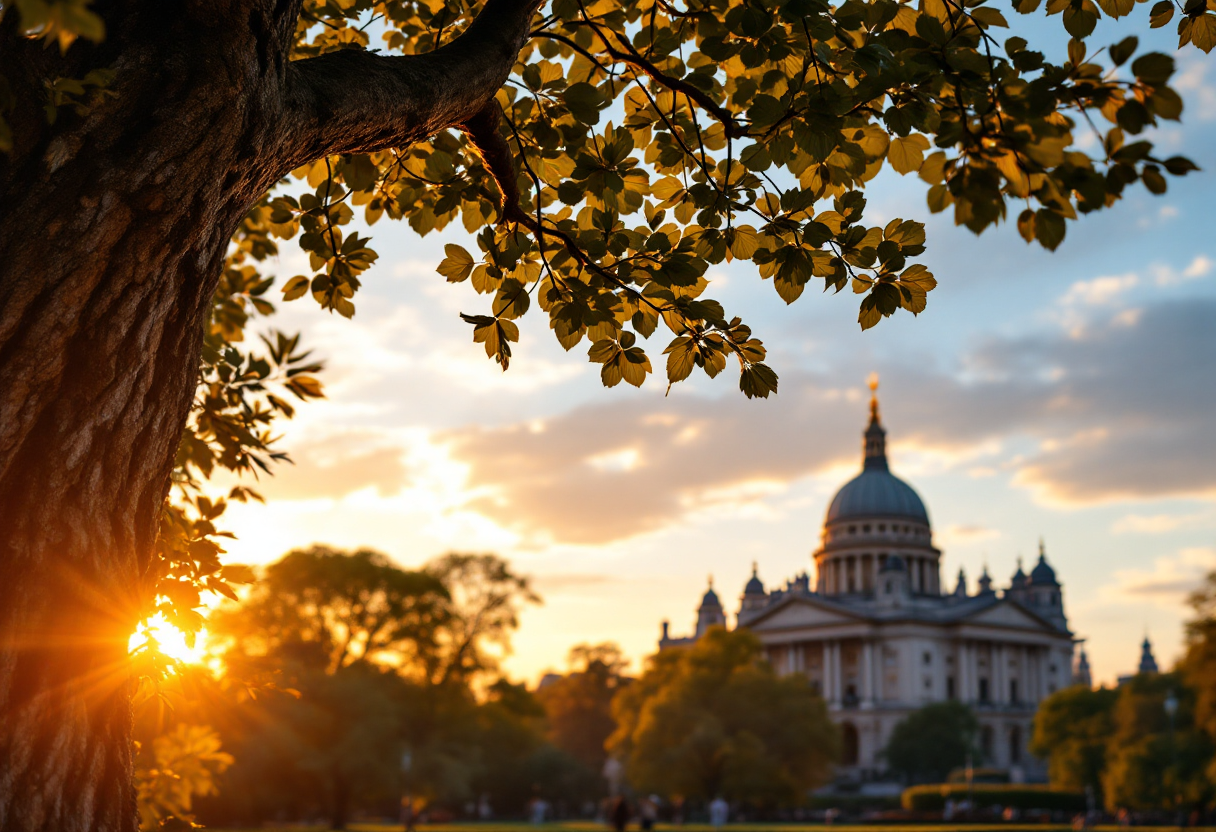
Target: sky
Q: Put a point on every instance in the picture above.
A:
(1067, 396)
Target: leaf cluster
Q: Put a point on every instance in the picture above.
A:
(740, 132)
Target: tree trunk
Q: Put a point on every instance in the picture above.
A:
(114, 226)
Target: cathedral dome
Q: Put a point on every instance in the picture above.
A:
(876, 492)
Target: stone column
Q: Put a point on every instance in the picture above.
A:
(964, 672)
(867, 674)
(837, 687)
(827, 672)
(1040, 675)
(1000, 672)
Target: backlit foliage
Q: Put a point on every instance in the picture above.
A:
(640, 144)
(182, 765)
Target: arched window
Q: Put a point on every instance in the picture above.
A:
(850, 745)
(1015, 744)
(986, 742)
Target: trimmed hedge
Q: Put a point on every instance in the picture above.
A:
(933, 797)
(854, 802)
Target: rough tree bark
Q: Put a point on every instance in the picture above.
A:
(113, 229)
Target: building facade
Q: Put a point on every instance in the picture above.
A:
(879, 636)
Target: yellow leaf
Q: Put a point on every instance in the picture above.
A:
(907, 153)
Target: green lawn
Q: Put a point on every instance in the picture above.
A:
(588, 826)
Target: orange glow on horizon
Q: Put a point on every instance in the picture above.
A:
(169, 640)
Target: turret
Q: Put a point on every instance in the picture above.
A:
(1019, 579)
(1081, 674)
(754, 595)
(960, 589)
(710, 613)
(1148, 664)
(985, 582)
(1043, 592)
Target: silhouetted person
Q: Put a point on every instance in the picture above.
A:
(618, 816)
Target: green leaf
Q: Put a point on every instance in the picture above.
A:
(868, 315)
(297, 287)
(584, 102)
(907, 153)
(681, 357)
(457, 265)
(1080, 20)
(1049, 228)
(1153, 68)
(1161, 13)
(1117, 8)
(1124, 49)
(757, 381)
(1203, 31)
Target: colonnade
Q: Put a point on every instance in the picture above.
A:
(975, 671)
(844, 574)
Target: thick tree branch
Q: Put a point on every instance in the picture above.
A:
(357, 102)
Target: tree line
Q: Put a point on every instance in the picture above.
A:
(347, 686)
(1148, 745)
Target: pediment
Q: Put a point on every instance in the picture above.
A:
(1007, 613)
(800, 612)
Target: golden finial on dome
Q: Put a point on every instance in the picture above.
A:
(872, 382)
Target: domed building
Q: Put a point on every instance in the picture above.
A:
(879, 637)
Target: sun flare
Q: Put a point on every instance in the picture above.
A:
(168, 640)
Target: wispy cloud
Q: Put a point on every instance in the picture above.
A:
(1169, 582)
(1159, 523)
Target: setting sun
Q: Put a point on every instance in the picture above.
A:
(168, 639)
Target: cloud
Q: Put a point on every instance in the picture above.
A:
(1199, 267)
(1119, 410)
(1192, 82)
(337, 464)
(955, 534)
(1169, 582)
(572, 583)
(606, 472)
(1156, 523)
(1099, 291)
(1131, 415)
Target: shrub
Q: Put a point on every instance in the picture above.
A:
(933, 797)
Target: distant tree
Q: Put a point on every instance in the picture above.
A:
(1150, 766)
(578, 706)
(715, 719)
(1199, 663)
(484, 598)
(381, 660)
(517, 759)
(927, 744)
(335, 628)
(326, 609)
(1072, 730)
